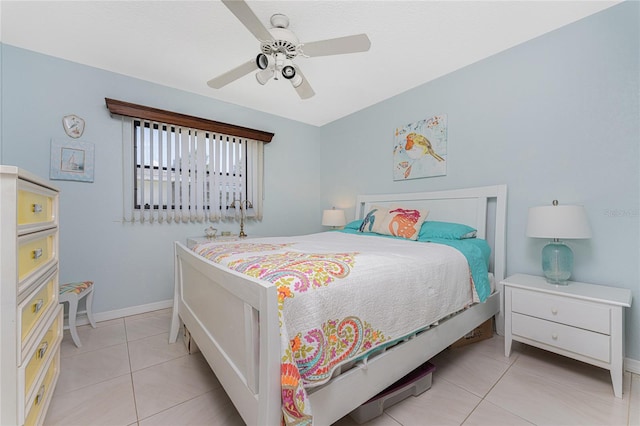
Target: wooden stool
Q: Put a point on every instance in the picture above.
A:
(71, 293)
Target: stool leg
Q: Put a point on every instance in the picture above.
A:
(89, 303)
(73, 310)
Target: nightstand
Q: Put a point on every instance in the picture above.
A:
(580, 321)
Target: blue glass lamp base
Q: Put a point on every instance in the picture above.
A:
(557, 262)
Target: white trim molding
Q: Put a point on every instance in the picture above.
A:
(632, 365)
(125, 312)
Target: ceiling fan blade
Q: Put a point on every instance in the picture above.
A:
(304, 90)
(232, 75)
(243, 12)
(337, 46)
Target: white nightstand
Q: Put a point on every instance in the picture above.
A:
(581, 321)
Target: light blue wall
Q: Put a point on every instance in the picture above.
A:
(554, 118)
(132, 264)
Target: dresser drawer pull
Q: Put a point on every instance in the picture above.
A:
(554, 311)
(37, 208)
(38, 305)
(37, 253)
(40, 395)
(42, 350)
(554, 336)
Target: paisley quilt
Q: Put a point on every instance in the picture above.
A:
(341, 296)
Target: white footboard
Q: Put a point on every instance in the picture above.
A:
(234, 321)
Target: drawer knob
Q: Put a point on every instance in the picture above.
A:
(554, 311)
(554, 336)
(42, 350)
(38, 305)
(39, 395)
(37, 254)
(37, 208)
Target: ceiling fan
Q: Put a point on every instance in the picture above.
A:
(279, 46)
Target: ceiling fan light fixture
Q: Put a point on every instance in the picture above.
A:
(264, 75)
(262, 61)
(288, 72)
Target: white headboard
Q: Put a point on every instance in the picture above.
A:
(468, 205)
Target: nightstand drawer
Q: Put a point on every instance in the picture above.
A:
(576, 313)
(579, 341)
(35, 252)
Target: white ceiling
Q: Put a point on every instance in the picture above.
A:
(183, 44)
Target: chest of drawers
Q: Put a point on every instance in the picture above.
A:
(581, 321)
(30, 316)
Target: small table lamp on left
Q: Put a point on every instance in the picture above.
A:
(333, 218)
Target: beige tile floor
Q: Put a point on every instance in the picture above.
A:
(127, 374)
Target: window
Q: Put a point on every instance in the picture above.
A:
(184, 169)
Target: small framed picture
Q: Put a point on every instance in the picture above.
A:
(72, 161)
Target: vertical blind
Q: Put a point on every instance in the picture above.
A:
(184, 174)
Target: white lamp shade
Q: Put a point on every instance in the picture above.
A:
(264, 75)
(333, 217)
(249, 212)
(563, 222)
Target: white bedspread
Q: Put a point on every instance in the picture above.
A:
(342, 295)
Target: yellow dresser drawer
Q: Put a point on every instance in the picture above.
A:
(41, 302)
(38, 404)
(576, 313)
(35, 252)
(36, 205)
(47, 345)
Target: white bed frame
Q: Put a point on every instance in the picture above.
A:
(234, 318)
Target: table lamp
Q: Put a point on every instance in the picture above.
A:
(246, 209)
(333, 218)
(556, 222)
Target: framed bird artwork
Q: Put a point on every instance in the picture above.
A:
(420, 149)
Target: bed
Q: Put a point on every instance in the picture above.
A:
(235, 316)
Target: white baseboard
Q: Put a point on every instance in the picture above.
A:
(632, 365)
(82, 319)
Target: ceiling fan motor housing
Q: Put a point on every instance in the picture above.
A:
(284, 41)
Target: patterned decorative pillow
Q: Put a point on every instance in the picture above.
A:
(395, 221)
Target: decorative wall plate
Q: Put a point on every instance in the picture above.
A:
(73, 125)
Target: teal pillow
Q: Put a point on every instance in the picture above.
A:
(354, 225)
(446, 230)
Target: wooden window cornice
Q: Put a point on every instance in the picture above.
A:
(154, 114)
